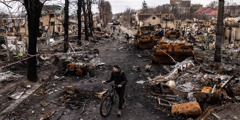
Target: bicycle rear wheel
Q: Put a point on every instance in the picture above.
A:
(106, 106)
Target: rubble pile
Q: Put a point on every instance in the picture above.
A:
(10, 46)
(148, 36)
(75, 98)
(231, 50)
(197, 84)
(172, 53)
(9, 76)
(81, 64)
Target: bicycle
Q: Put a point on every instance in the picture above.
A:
(108, 101)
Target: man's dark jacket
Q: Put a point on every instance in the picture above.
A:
(118, 78)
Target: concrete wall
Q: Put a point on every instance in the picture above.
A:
(151, 21)
(46, 20)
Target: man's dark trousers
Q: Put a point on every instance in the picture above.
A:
(120, 92)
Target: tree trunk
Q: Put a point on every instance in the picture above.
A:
(219, 34)
(34, 8)
(85, 20)
(66, 17)
(79, 11)
(90, 17)
(101, 11)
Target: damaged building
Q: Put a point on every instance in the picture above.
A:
(51, 19)
(15, 25)
(148, 19)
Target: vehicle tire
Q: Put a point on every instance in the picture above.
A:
(106, 106)
(71, 67)
(79, 71)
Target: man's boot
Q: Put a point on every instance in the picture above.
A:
(119, 113)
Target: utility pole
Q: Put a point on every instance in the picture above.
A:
(219, 34)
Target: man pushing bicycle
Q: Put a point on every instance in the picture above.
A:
(120, 80)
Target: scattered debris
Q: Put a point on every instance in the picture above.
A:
(191, 108)
(140, 82)
(75, 98)
(171, 53)
(197, 83)
(100, 95)
(147, 37)
(28, 86)
(56, 77)
(16, 95)
(44, 104)
(9, 76)
(148, 67)
(136, 68)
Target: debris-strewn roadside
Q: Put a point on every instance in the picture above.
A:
(190, 87)
(200, 83)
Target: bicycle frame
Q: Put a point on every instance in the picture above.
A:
(112, 91)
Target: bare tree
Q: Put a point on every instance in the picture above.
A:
(128, 16)
(90, 16)
(163, 9)
(85, 19)
(79, 16)
(231, 10)
(144, 6)
(101, 8)
(107, 16)
(33, 8)
(219, 34)
(105, 10)
(213, 5)
(66, 19)
(5, 3)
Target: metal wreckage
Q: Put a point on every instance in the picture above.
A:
(193, 87)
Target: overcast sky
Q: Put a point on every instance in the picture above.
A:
(120, 5)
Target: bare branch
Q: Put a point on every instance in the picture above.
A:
(4, 3)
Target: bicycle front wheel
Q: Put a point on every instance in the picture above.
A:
(106, 106)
